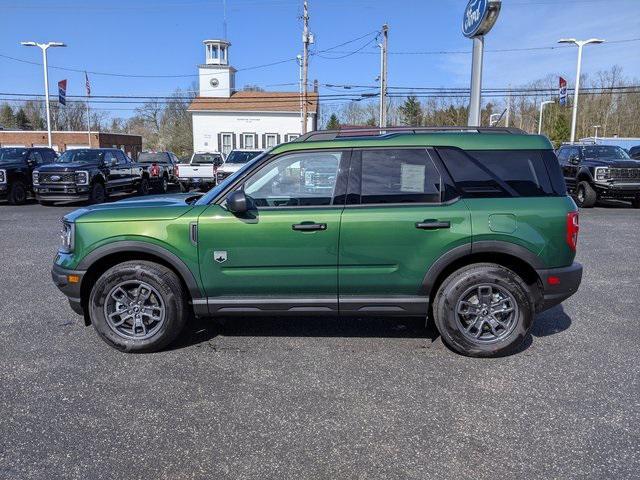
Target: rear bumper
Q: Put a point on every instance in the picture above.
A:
(60, 277)
(559, 284)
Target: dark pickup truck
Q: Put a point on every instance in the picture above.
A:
(162, 165)
(16, 165)
(91, 175)
(594, 172)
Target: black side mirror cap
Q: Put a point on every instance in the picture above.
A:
(237, 202)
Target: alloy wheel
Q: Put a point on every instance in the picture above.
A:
(134, 310)
(486, 313)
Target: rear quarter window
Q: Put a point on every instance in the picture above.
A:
(503, 173)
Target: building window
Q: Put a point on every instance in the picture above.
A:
(249, 140)
(227, 143)
(291, 137)
(270, 140)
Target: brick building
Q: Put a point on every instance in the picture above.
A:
(61, 141)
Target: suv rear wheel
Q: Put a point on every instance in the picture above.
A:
(586, 196)
(483, 310)
(138, 306)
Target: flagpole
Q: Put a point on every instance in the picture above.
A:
(86, 77)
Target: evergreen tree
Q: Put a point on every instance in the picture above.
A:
(560, 129)
(333, 123)
(7, 119)
(21, 120)
(411, 112)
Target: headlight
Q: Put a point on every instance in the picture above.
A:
(3, 176)
(67, 236)
(36, 178)
(602, 173)
(82, 178)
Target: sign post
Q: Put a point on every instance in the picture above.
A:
(478, 19)
(62, 92)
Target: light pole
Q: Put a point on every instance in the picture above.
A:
(542, 104)
(44, 47)
(579, 44)
(595, 135)
(299, 58)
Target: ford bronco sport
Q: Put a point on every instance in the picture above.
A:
(469, 227)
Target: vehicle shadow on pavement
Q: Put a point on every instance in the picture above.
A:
(202, 330)
(547, 323)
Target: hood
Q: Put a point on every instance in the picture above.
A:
(11, 165)
(611, 162)
(231, 167)
(155, 207)
(67, 167)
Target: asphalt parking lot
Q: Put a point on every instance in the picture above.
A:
(317, 398)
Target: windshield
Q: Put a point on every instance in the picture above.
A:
(149, 157)
(12, 154)
(213, 193)
(605, 151)
(85, 156)
(205, 158)
(237, 156)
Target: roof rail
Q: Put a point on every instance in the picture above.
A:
(319, 135)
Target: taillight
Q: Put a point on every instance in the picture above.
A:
(155, 170)
(176, 170)
(573, 227)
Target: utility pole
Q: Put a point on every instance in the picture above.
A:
(508, 117)
(383, 75)
(305, 65)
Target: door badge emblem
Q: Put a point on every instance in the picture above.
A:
(220, 256)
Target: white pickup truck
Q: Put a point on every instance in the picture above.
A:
(234, 161)
(200, 172)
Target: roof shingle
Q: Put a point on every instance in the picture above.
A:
(251, 101)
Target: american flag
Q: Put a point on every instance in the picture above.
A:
(87, 84)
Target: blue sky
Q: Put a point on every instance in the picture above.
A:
(163, 37)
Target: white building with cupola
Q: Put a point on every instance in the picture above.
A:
(225, 118)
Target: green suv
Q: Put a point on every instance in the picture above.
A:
(469, 227)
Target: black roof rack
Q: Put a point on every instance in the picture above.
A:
(319, 135)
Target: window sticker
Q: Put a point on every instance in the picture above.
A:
(412, 177)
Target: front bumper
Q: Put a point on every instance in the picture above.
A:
(559, 284)
(58, 193)
(60, 277)
(618, 189)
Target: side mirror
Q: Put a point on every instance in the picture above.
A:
(237, 202)
(573, 160)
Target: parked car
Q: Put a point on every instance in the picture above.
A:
(200, 172)
(472, 229)
(593, 172)
(634, 152)
(90, 174)
(233, 162)
(16, 166)
(163, 165)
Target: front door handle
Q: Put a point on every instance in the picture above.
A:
(309, 226)
(432, 224)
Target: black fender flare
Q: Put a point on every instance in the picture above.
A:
(128, 246)
(483, 246)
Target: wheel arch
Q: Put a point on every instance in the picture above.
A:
(514, 257)
(100, 260)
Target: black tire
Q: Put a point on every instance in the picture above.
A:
(17, 193)
(163, 184)
(462, 283)
(184, 188)
(143, 186)
(635, 203)
(168, 292)
(97, 193)
(586, 196)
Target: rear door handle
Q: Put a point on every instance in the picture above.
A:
(431, 224)
(309, 226)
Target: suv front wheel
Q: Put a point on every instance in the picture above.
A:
(138, 306)
(483, 310)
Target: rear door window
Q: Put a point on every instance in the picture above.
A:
(499, 173)
(399, 176)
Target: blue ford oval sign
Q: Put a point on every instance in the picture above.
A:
(479, 17)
